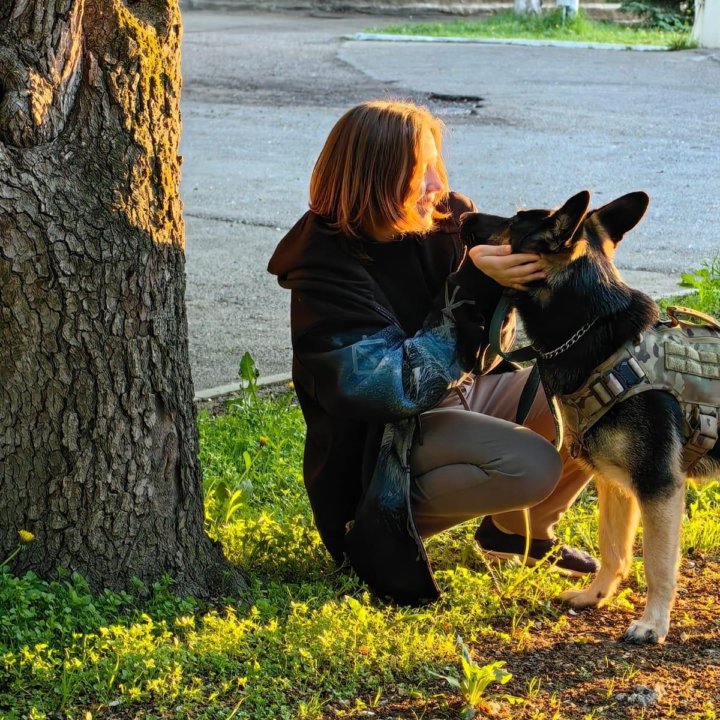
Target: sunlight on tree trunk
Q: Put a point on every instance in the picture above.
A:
(98, 438)
(706, 29)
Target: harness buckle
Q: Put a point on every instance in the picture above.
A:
(626, 374)
(602, 395)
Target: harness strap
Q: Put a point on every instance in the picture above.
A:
(642, 365)
(612, 381)
(523, 354)
(704, 426)
(674, 311)
(527, 397)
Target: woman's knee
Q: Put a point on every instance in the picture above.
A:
(540, 468)
(523, 463)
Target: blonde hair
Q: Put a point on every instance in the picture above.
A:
(369, 172)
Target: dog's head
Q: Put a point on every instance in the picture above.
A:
(562, 236)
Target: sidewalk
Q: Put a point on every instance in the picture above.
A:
(262, 90)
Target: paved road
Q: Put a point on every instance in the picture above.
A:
(263, 89)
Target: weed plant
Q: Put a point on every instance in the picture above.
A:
(549, 25)
(704, 286)
(307, 641)
(670, 16)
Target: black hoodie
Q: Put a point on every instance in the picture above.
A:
(366, 363)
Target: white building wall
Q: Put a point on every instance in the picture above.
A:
(706, 30)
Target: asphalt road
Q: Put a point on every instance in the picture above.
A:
(262, 90)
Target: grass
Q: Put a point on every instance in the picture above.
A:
(705, 286)
(548, 26)
(309, 642)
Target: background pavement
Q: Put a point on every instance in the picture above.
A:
(262, 90)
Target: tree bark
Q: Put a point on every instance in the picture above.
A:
(98, 438)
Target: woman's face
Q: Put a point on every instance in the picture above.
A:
(431, 184)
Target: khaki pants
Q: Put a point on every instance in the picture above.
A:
(470, 459)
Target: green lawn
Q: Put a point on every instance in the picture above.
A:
(705, 285)
(548, 26)
(309, 642)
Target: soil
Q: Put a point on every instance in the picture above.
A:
(586, 671)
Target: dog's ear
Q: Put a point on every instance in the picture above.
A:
(560, 227)
(622, 214)
(477, 228)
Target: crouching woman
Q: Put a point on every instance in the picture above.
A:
(409, 419)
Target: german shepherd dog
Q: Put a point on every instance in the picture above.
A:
(634, 451)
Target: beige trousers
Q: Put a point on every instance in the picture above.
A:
(470, 459)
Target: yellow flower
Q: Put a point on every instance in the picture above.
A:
(26, 536)
(291, 385)
(185, 621)
(263, 440)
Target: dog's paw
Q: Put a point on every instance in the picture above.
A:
(581, 598)
(643, 633)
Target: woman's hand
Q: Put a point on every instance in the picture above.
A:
(511, 270)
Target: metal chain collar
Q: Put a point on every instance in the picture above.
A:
(568, 343)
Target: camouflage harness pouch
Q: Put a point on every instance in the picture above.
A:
(677, 356)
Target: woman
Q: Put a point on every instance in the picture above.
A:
(408, 431)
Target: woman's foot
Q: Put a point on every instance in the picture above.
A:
(507, 546)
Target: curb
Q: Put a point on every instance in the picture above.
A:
(220, 390)
(383, 37)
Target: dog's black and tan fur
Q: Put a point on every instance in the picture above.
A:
(635, 449)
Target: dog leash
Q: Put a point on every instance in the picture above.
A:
(524, 354)
(529, 391)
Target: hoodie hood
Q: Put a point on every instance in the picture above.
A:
(311, 257)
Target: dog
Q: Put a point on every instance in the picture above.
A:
(576, 318)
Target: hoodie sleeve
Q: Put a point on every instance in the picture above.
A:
(364, 367)
(371, 370)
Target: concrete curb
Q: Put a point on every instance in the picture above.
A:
(230, 388)
(383, 37)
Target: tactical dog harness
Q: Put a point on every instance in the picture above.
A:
(676, 356)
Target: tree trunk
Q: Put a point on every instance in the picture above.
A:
(523, 7)
(98, 438)
(570, 7)
(706, 29)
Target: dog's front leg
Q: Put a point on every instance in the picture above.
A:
(662, 519)
(618, 521)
